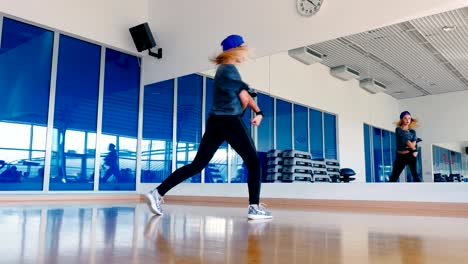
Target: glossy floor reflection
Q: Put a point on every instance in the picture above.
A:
(128, 233)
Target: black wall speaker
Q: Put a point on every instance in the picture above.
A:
(142, 37)
(144, 40)
(466, 150)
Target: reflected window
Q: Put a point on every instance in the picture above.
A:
(329, 121)
(25, 70)
(447, 165)
(301, 131)
(119, 121)
(157, 131)
(265, 130)
(387, 165)
(367, 153)
(378, 155)
(316, 134)
(75, 116)
(284, 125)
(189, 115)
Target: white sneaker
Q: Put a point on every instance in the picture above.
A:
(154, 201)
(259, 212)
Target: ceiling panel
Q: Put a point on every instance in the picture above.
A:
(414, 58)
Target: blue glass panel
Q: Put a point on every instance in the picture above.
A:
(330, 136)
(367, 153)
(301, 131)
(378, 159)
(316, 134)
(189, 116)
(283, 125)
(157, 131)
(25, 68)
(387, 155)
(217, 170)
(393, 145)
(75, 116)
(119, 121)
(265, 130)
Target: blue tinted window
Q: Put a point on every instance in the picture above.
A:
(393, 145)
(283, 125)
(189, 116)
(119, 121)
(378, 159)
(387, 155)
(76, 101)
(157, 131)
(265, 130)
(441, 163)
(367, 153)
(217, 170)
(455, 162)
(316, 134)
(330, 136)
(25, 69)
(300, 128)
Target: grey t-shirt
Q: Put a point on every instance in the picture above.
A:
(402, 136)
(226, 88)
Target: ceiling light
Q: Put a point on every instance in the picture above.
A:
(449, 28)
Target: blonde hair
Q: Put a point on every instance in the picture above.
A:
(228, 55)
(412, 125)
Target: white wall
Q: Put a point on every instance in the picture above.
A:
(442, 119)
(103, 21)
(284, 77)
(190, 31)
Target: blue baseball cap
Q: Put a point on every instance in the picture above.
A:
(232, 41)
(404, 113)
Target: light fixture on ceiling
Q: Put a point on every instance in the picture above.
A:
(449, 28)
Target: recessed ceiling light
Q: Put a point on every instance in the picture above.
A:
(449, 28)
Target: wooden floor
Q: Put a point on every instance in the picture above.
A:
(128, 233)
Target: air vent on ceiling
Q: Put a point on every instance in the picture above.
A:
(306, 55)
(344, 73)
(372, 86)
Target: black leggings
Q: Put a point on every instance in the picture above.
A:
(219, 129)
(400, 163)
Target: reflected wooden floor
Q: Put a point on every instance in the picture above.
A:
(128, 233)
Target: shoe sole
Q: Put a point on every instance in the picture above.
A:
(258, 217)
(259, 221)
(150, 201)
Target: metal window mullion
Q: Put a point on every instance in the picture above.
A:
(141, 98)
(292, 127)
(31, 138)
(308, 130)
(100, 109)
(382, 151)
(50, 116)
(323, 136)
(274, 123)
(1, 29)
(229, 163)
(174, 127)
